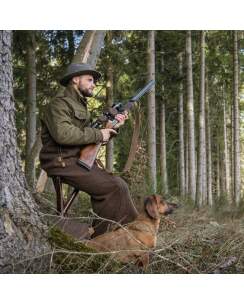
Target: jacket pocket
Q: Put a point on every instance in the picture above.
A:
(80, 118)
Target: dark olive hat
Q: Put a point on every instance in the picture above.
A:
(77, 69)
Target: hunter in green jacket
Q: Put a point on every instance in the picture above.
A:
(65, 130)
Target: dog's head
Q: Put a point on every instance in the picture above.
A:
(155, 206)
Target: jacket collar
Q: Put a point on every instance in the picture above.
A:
(70, 91)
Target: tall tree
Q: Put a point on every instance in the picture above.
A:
(152, 113)
(163, 153)
(226, 150)
(201, 141)
(181, 130)
(236, 120)
(90, 48)
(31, 107)
(209, 150)
(22, 234)
(190, 119)
(163, 156)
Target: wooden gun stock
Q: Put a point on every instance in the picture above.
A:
(88, 155)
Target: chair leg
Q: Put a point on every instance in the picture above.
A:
(69, 201)
(62, 206)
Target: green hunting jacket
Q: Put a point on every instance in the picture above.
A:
(65, 129)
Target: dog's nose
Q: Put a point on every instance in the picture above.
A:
(174, 206)
(169, 210)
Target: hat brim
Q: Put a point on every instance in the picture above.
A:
(65, 80)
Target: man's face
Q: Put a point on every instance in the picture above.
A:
(85, 84)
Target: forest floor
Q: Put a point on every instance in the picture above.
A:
(210, 240)
(205, 241)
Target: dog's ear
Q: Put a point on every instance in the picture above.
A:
(151, 207)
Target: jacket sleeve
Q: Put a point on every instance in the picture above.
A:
(58, 119)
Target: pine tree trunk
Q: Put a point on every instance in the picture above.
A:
(181, 131)
(237, 173)
(226, 152)
(209, 151)
(163, 155)
(218, 172)
(109, 95)
(232, 152)
(31, 108)
(22, 234)
(152, 114)
(96, 48)
(84, 50)
(186, 160)
(190, 119)
(222, 173)
(201, 141)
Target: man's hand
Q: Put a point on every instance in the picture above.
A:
(107, 134)
(121, 119)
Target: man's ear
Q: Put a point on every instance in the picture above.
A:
(75, 80)
(151, 207)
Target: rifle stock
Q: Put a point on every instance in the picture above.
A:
(88, 155)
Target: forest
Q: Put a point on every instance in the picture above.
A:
(184, 140)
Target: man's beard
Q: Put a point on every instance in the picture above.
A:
(86, 93)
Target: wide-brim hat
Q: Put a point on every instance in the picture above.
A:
(77, 69)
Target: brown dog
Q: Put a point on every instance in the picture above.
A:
(131, 242)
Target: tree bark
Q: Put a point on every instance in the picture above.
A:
(84, 50)
(181, 131)
(186, 161)
(31, 107)
(163, 155)
(190, 119)
(217, 184)
(90, 48)
(22, 234)
(152, 114)
(209, 151)
(226, 151)
(201, 141)
(237, 172)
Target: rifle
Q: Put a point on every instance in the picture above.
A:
(89, 153)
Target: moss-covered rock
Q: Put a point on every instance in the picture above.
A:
(72, 256)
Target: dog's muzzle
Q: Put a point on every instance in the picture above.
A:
(171, 207)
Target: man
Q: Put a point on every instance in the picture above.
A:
(65, 130)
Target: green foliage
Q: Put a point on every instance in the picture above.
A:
(54, 50)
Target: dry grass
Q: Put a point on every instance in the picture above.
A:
(205, 241)
(201, 242)
(198, 243)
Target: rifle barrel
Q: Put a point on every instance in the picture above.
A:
(143, 91)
